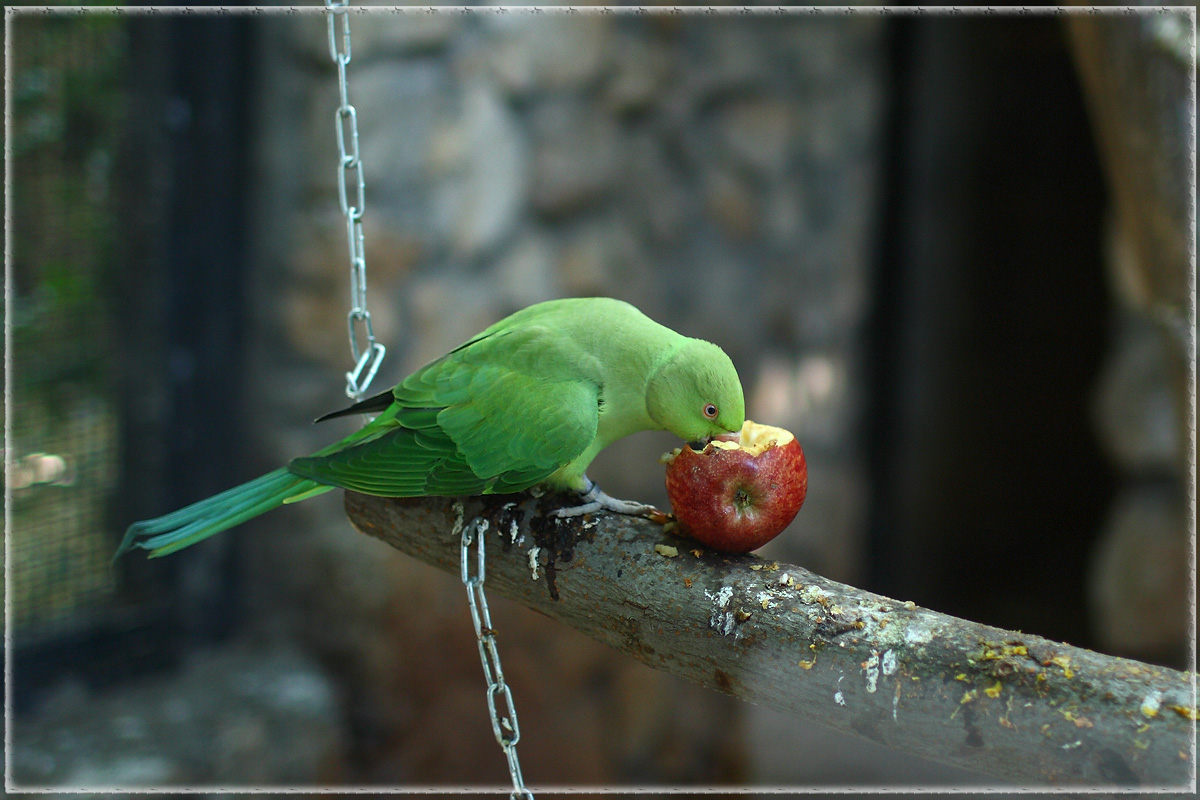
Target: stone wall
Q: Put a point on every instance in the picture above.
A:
(1136, 74)
(720, 174)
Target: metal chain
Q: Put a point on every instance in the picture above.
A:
(499, 696)
(366, 359)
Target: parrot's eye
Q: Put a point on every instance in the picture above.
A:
(710, 411)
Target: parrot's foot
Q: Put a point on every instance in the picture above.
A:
(594, 499)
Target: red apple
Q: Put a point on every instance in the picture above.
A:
(740, 491)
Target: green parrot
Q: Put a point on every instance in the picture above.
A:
(531, 400)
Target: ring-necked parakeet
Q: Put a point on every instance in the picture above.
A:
(531, 400)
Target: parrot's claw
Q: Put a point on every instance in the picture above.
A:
(594, 499)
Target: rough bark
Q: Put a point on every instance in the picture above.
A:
(1019, 707)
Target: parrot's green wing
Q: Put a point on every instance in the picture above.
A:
(499, 414)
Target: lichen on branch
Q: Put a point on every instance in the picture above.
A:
(1016, 706)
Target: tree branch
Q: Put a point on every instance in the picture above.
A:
(1019, 707)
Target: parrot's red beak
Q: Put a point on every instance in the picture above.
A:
(700, 444)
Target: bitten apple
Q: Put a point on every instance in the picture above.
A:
(737, 494)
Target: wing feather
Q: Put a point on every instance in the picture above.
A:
(499, 414)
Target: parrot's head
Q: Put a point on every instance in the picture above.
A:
(695, 393)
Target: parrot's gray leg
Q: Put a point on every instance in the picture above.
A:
(594, 499)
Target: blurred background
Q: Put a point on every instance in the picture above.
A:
(950, 253)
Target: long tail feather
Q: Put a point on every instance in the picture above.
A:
(194, 523)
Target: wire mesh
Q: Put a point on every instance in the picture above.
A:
(67, 109)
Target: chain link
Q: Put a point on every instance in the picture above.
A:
(350, 173)
(499, 696)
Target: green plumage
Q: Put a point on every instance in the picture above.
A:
(530, 400)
